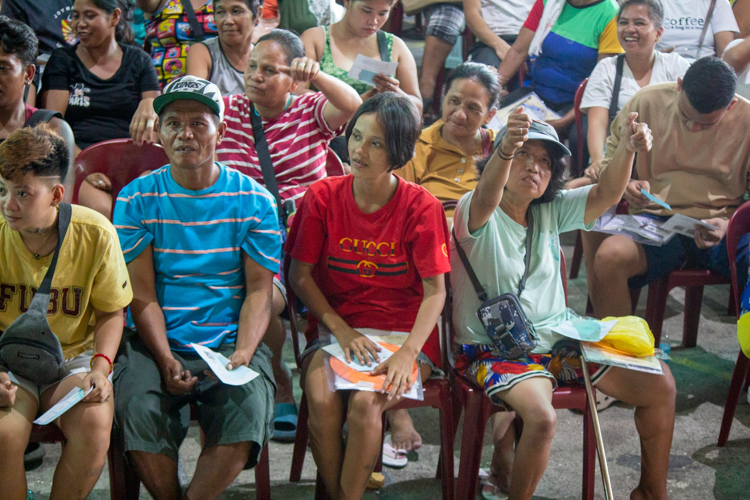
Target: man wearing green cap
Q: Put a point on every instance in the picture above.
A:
(202, 244)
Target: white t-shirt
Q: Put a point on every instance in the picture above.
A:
(506, 17)
(683, 23)
(743, 78)
(666, 68)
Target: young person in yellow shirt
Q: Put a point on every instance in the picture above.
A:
(89, 289)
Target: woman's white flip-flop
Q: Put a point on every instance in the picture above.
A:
(396, 459)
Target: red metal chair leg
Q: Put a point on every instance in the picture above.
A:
(263, 477)
(472, 441)
(575, 264)
(693, 300)
(732, 306)
(446, 466)
(656, 306)
(300, 442)
(735, 388)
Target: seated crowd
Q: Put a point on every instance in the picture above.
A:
(252, 125)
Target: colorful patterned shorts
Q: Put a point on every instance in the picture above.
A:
(482, 366)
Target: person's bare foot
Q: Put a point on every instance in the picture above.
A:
(403, 434)
(640, 494)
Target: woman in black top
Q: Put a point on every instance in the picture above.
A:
(98, 83)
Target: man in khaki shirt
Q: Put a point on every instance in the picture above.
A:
(699, 165)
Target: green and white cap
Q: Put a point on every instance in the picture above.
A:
(191, 87)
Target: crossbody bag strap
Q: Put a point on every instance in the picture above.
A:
(527, 257)
(469, 270)
(709, 15)
(616, 90)
(195, 26)
(264, 158)
(63, 221)
(385, 54)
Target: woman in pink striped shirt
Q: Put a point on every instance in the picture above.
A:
(297, 130)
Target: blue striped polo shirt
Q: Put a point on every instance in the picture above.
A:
(197, 239)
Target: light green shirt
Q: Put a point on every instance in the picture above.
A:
(496, 252)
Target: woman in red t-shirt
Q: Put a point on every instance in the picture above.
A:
(369, 251)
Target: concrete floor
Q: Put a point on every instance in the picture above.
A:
(698, 469)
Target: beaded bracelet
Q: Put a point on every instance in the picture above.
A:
(91, 363)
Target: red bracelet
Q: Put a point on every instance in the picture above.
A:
(91, 363)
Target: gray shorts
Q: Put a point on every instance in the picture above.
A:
(150, 419)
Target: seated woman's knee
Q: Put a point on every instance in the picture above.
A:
(541, 421)
(93, 425)
(365, 408)
(611, 256)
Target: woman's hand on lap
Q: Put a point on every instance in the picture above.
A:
(102, 387)
(357, 346)
(142, 126)
(634, 196)
(399, 369)
(7, 391)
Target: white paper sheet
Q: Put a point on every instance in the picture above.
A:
(335, 350)
(364, 68)
(218, 364)
(685, 225)
(648, 364)
(66, 403)
(533, 106)
(586, 329)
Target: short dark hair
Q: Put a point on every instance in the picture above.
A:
(37, 150)
(709, 84)
(392, 2)
(123, 30)
(655, 10)
(289, 41)
(557, 172)
(251, 4)
(19, 40)
(487, 76)
(399, 118)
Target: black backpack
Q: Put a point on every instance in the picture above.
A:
(28, 347)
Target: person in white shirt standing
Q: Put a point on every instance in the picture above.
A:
(684, 22)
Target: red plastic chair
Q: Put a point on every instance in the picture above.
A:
(334, 165)
(120, 160)
(437, 394)
(739, 225)
(479, 408)
(575, 264)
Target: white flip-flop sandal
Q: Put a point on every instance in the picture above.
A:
(393, 458)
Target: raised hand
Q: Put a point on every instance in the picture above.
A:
(636, 136)
(517, 133)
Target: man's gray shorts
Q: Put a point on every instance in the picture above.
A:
(150, 419)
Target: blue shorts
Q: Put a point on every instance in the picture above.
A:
(682, 252)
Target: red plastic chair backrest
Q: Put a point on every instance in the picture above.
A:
(334, 165)
(739, 225)
(579, 124)
(120, 160)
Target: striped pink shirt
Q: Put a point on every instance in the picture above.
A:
(297, 140)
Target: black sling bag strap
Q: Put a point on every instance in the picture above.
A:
(527, 260)
(28, 347)
(709, 15)
(195, 26)
(503, 317)
(264, 158)
(41, 116)
(385, 55)
(616, 89)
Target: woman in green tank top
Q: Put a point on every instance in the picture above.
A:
(336, 46)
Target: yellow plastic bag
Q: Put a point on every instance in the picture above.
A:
(631, 335)
(743, 333)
